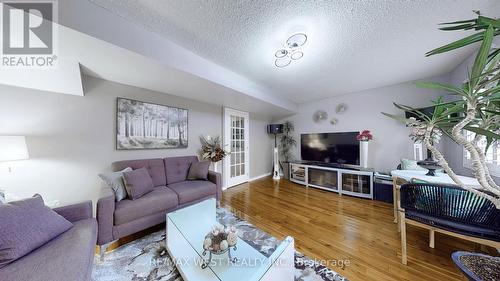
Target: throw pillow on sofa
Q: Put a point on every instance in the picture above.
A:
(408, 164)
(198, 170)
(26, 225)
(137, 183)
(114, 180)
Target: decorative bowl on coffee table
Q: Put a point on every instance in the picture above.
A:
(429, 164)
(218, 242)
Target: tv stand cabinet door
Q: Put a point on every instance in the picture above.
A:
(299, 173)
(327, 179)
(357, 184)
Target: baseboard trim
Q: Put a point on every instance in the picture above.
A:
(225, 187)
(259, 177)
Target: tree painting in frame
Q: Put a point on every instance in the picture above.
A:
(142, 125)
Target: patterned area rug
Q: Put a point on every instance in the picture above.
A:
(146, 259)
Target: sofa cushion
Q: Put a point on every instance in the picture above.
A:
(114, 180)
(158, 200)
(137, 183)
(199, 170)
(67, 257)
(176, 168)
(155, 167)
(410, 164)
(26, 225)
(189, 191)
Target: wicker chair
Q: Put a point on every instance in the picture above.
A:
(450, 210)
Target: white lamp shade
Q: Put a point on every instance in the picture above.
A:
(13, 148)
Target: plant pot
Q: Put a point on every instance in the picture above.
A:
(286, 169)
(363, 150)
(215, 166)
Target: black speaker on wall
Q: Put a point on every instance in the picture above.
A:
(275, 129)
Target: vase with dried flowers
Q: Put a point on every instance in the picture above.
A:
(211, 149)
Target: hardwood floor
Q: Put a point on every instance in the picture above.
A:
(330, 227)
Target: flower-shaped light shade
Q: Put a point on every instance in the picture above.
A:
(296, 40)
(282, 62)
(281, 53)
(296, 55)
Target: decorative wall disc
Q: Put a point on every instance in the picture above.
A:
(319, 116)
(341, 108)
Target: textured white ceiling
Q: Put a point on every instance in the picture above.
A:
(352, 45)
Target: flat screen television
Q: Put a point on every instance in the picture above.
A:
(334, 148)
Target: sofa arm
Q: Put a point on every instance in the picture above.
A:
(105, 212)
(217, 179)
(76, 212)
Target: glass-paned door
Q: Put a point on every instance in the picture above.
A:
(236, 165)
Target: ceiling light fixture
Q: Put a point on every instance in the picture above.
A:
(291, 51)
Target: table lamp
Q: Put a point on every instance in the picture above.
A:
(13, 148)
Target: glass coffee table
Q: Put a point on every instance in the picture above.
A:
(186, 230)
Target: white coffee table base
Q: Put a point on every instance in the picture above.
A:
(251, 265)
(187, 260)
(284, 266)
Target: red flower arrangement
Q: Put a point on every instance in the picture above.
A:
(365, 135)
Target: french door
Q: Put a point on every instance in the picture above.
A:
(236, 165)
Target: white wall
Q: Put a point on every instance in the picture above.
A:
(391, 141)
(71, 139)
(261, 146)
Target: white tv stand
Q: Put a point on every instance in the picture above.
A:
(356, 182)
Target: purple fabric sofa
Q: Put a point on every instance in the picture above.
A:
(69, 256)
(172, 191)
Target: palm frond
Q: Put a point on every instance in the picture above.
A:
(440, 86)
(482, 56)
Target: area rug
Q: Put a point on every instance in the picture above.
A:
(146, 259)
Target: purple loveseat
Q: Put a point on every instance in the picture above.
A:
(172, 191)
(69, 256)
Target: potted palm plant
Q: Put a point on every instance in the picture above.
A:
(287, 143)
(476, 111)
